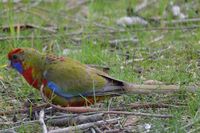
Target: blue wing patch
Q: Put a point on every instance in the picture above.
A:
(58, 91)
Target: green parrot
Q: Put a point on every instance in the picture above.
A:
(67, 82)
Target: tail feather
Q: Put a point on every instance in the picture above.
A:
(129, 88)
(117, 87)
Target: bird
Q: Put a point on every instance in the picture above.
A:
(66, 82)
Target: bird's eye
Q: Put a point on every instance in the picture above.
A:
(14, 57)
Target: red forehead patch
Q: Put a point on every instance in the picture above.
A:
(14, 51)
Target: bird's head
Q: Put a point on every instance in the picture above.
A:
(22, 58)
(16, 58)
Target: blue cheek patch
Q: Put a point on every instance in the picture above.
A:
(17, 66)
(56, 89)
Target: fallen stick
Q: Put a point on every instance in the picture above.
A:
(69, 121)
(84, 126)
(42, 123)
(87, 109)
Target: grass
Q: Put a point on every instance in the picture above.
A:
(177, 65)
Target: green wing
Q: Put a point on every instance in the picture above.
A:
(73, 77)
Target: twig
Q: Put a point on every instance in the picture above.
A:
(112, 131)
(7, 123)
(103, 26)
(4, 119)
(174, 103)
(156, 39)
(137, 114)
(146, 106)
(152, 105)
(182, 21)
(24, 37)
(79, 3)
(47, 120)
(80, 119)
(49, 29)
(27, 26)
(144, 4)
(41, 119)
(141, 6)
(84, 126)
(4, 86)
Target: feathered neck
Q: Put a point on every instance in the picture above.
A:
(33, 67)
(34, 59)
